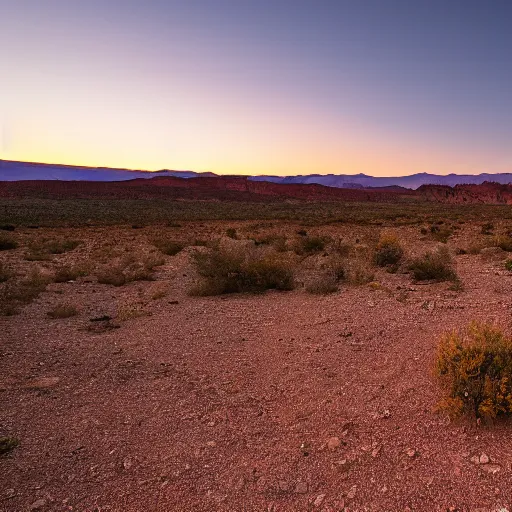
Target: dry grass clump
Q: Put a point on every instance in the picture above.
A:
(129, 269)
(277, 242)
(323, 284)
(17, 292)
(168, 247)
(306, 245)
(487, 228)
(388, 251)
(5, 273)
(441, 234)
(433, 266)
(7, 444)
(475, 367)
(7, 242)
(240, 269)
(63, 311)
(66, 273)
(42, 250)
(504, 242)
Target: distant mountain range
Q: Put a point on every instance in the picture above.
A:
(17, 171)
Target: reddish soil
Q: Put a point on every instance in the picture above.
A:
(283, 401)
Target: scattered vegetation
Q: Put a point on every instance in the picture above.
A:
(475, 367)
(323, 284)
(434, 266)
(17, 292)
(441, 234)
(487, 228)
(42, 250)
(388, 251)
(7, 444)
(63, 311)
(508, 265)
(240, 269)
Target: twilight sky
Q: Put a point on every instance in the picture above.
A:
(383, 87)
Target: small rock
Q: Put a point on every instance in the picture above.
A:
(491, 468)
(333, 443)
(376, 451)
(301, 488)
(319, 500)
(127, 463)
(352, 493)
(42, 383)
(284, 485)
(211, 444)
(475, 459)
(484, 459)
(38, 505)
(411, 452)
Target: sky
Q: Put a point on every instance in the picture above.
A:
(381, 87)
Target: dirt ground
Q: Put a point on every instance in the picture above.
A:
(283, 401)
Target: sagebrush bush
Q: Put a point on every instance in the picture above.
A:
(63, 311)
(7, 444)
(7, 243)
(475, 368)
(5, 273)
(17, 292)
(433, 266)
(388, 251)
(240, 269)
(508, 265)
(129, 269)
(503, 242)
(323, 284)
(169, 247)
(66, 273)
(310, 244)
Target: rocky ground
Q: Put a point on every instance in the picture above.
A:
(283, 401)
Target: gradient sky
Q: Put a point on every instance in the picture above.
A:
(383, 87)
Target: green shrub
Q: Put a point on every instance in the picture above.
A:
(240, 270)
(7, 243)
(508, 265)
(5, 273)
(475, 368)
(433, 266)
(388, 251)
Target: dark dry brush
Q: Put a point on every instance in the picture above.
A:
(433, 266)
(240, 269)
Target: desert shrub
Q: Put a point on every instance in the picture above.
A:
(17, 292)
(359, 272)
(231, 233)
(169, 247)
(7, 227)
(129, 269)
(508, 265)
(234, 270)
(341, 247)
(63, 311)
(441, 234)
(475, 367)
(323, 284)
(278, 242)
(66, 273)
(310, 244)
(7, 242)
(302, 232)
(7, 444)
(60, 246)
(487, 228)
(388, 250)
(504, 242)
(433, 266)
(5, 273)
(423, 231)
